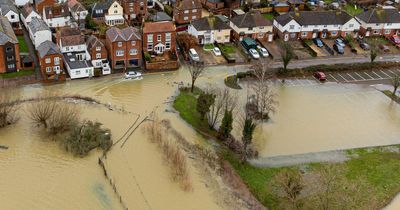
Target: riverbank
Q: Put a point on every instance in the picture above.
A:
(370, 170)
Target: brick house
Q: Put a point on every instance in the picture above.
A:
(10, 11)
(379, 22)
(186, 11)
(124, 47)
(41, 4)
(213, 4)
(159, 37)
(312, 24)
(9, 48)
(98, 54)
(251, 24)
(208, 30)
(134, 10)
(50, 59)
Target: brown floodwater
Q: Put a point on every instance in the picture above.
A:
(37, 174)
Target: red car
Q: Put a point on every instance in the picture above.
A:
(320, 76)
(395, 39)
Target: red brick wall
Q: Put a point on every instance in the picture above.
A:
(44, 65)
(93, 53)
(180, 14)
(173, 44)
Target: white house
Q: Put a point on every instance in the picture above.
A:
(57, 15)
(10, 11)
(251, 24)
(209, 30)
(78, 12)
(312, 24)
(39, 32)
(379, 22)
(27, 13)
(111, 12)
(76, 67)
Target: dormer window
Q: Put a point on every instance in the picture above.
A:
(98, 48)
(119, 44)
(115, 6)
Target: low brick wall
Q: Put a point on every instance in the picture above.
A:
(159, 66)
(12, 82)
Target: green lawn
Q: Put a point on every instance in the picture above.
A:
(268, 16)
(378, 166)
(228, 48)
(17, 74)
(352, 10)
(208, 46)
(22, 44)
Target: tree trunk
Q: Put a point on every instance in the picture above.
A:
(394, 90)
(192, 88)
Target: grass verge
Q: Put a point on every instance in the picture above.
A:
(22, 44)
(390, 95)
(228, 48)
(231, 82)
(377, 165)
(17, 74)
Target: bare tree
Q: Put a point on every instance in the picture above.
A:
(395, 83)
(263, 100)
(41, 111)
(8, 107)
(287, 54)
(288, 184)
(374, 49)
(196, 70)
(225, 100)
(63, 118)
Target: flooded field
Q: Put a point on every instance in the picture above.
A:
(37, 174)
(329, 117)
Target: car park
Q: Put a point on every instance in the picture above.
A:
(339, 49)
(318, 42)
(364, 46)
(193, 55)
(217, 51)
(262, 51)
(320, 76)
(254, 53)
(340, 42)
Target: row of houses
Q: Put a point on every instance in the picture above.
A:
(296, 25)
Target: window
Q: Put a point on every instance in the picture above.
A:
(377, 24)
(119, 44)
(303, 34)
(130, 9)
(186, 11)
(133, 43)
(325, 26)
(194, 17)
(167, 36)
(261, 27)
(351, 25)
(159, 38)
(251, 28)
(376, 32)
(48, 60)
(194, 10)
(115, 6)
(119, 53)
(98, 11)
(115, 11)
(12, 16)
(56, 68)
(10, 58)
(149, 47)
(291, 27)
(56, 61)
(305, 26)
(334, 33)
(141, 4)
(167, 45)
(261, 35)
(98, 55)
(98, 48)
(387, 31)
(11, 66)
(185, 18)
(388, 24)
(77, 72)
(131, 4)
(48, 69)
(149, 37)
(133, 51)
(335, 26)
(8, 49)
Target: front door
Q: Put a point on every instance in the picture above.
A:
(367, 33)
(270, 37)
(286, 37)
(314, 35)
(159, 48)
(323, 35)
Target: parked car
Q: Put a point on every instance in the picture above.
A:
(339, 49)
(254, 53)
(320, 76)
(384, 48)
(395, 39)
(217, 51)
(262, 51)
(364, 46)
(193, 55)
(340, 42)
(318, 42)
(133, 75)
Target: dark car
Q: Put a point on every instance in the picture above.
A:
(318, 42)
(320, 76)
(339, 49)
(364, 46)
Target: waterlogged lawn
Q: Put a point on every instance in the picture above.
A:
(17, 74)
(379, 166)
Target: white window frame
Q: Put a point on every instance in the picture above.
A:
(47, 60)
(98, 55)
(119, 53)
(133, 51)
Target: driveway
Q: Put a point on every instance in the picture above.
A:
(32, 52)
(331, 42)
(208, 57)
(273, 49)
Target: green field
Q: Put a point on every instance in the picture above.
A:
(22, 44)
(17, 74)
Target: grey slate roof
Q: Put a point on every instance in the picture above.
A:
(6, 32)
(250, 19)
(209, 23)
(161, 16)
(27, 9)
(102, 6)
(74, 63)
(48, 48)
(6, 6)
(378, 15)
(315, 18)
(37, 25)
(93, 41)
(126, 34)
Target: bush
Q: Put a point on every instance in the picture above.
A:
(8, 107)
(86, 136)
(147, 57)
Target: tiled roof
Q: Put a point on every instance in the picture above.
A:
(156, 27)
(6, 32)
(188, 4)
(48, 48)
(209, 23)
(250, 19)
(161, 16)
(129, 33)
(93, 41)
(379, 15)
(37, 25)
(71, 37)
(27, 9)
(6, 6)
(315, 18)
(58, 10)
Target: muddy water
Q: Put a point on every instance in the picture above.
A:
(329, 117)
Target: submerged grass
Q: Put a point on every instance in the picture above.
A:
(378, 165)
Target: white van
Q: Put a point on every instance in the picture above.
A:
(193, 55)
